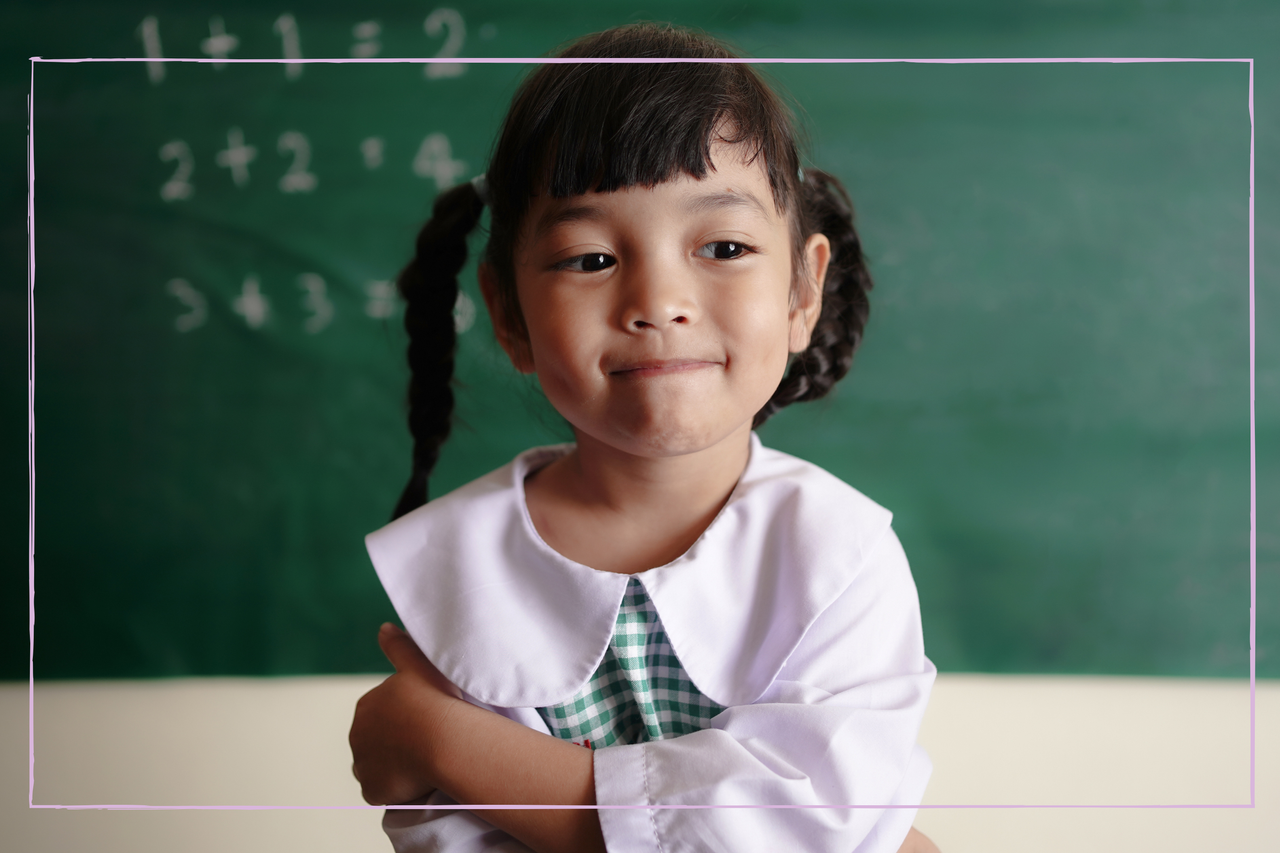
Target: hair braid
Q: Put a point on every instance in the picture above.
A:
(429, 287)
(825, 208)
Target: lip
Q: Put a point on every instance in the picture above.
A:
(661, 367)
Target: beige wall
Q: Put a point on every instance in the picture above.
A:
(994, 740)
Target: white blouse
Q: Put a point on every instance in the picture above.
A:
(795, 609)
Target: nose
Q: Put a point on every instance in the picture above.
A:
(657, 296)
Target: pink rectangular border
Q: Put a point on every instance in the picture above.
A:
(31, 577)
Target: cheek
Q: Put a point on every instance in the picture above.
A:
(763, 345)
(771, 326)
(565, 355)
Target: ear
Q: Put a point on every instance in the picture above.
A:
(807, 305)
(511, 340)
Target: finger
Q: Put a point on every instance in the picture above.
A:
(400, 649)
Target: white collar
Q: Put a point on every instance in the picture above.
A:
(515, 624)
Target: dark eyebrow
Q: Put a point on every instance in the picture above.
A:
(718, 201)
(559, 214)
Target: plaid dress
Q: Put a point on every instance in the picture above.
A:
(640, 692)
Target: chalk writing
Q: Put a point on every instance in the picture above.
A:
(220, 43)
(439, 20)
(149, 32)
(464, 313)
(182, 290)
(237, 156)
(382, 302)
(297, 179)
(316, 302)
(435, 160)
(366, 35)
(287, 28)
(251, 304)
(371, 149)
(382, 299)
(179, 185)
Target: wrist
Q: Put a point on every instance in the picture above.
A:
(448, 742)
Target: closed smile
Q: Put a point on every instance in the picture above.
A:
(660, 367)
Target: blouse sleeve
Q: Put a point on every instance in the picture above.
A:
(837, 727)
(451, 830)
(455, 830)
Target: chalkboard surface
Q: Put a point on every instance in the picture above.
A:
(1053, 395)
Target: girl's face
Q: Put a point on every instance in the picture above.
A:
(660, 319)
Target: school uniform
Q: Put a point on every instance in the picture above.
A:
(791, 660)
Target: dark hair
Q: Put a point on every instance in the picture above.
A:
(585, 127)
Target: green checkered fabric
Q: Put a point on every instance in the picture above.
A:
(640, 692)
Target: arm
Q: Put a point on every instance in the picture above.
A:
(414, 733)
(838, 726)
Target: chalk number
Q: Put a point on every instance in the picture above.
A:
(297, 179)
(438, 21)
(179, 184)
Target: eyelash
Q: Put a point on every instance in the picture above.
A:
(744, 249)
(569, 264)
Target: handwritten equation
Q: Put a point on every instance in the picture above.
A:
(255, 308)
(434, 159)
(442, 23)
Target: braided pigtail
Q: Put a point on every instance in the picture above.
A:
(825, 207)
(429, 287)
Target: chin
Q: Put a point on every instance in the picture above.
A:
(663, 437)
(663, 446)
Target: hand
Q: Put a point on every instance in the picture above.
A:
(392, 733)
(917, 842)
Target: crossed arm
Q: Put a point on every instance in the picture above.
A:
(414, 733)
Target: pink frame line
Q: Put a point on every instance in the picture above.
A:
(31, 490)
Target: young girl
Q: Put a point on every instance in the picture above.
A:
(718, 624)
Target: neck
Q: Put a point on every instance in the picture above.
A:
(625, 483)
(619, 512)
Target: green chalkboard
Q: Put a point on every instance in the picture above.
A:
(1053, 396)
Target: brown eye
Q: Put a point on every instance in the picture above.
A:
(596, 262)
(724, 250)
(593, 262)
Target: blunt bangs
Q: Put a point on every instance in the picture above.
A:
(605, 126)
(648, 124)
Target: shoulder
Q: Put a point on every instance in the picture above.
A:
(806, 517)
(504, 617)
(476, 510)
(798, 492)
(789, 544)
